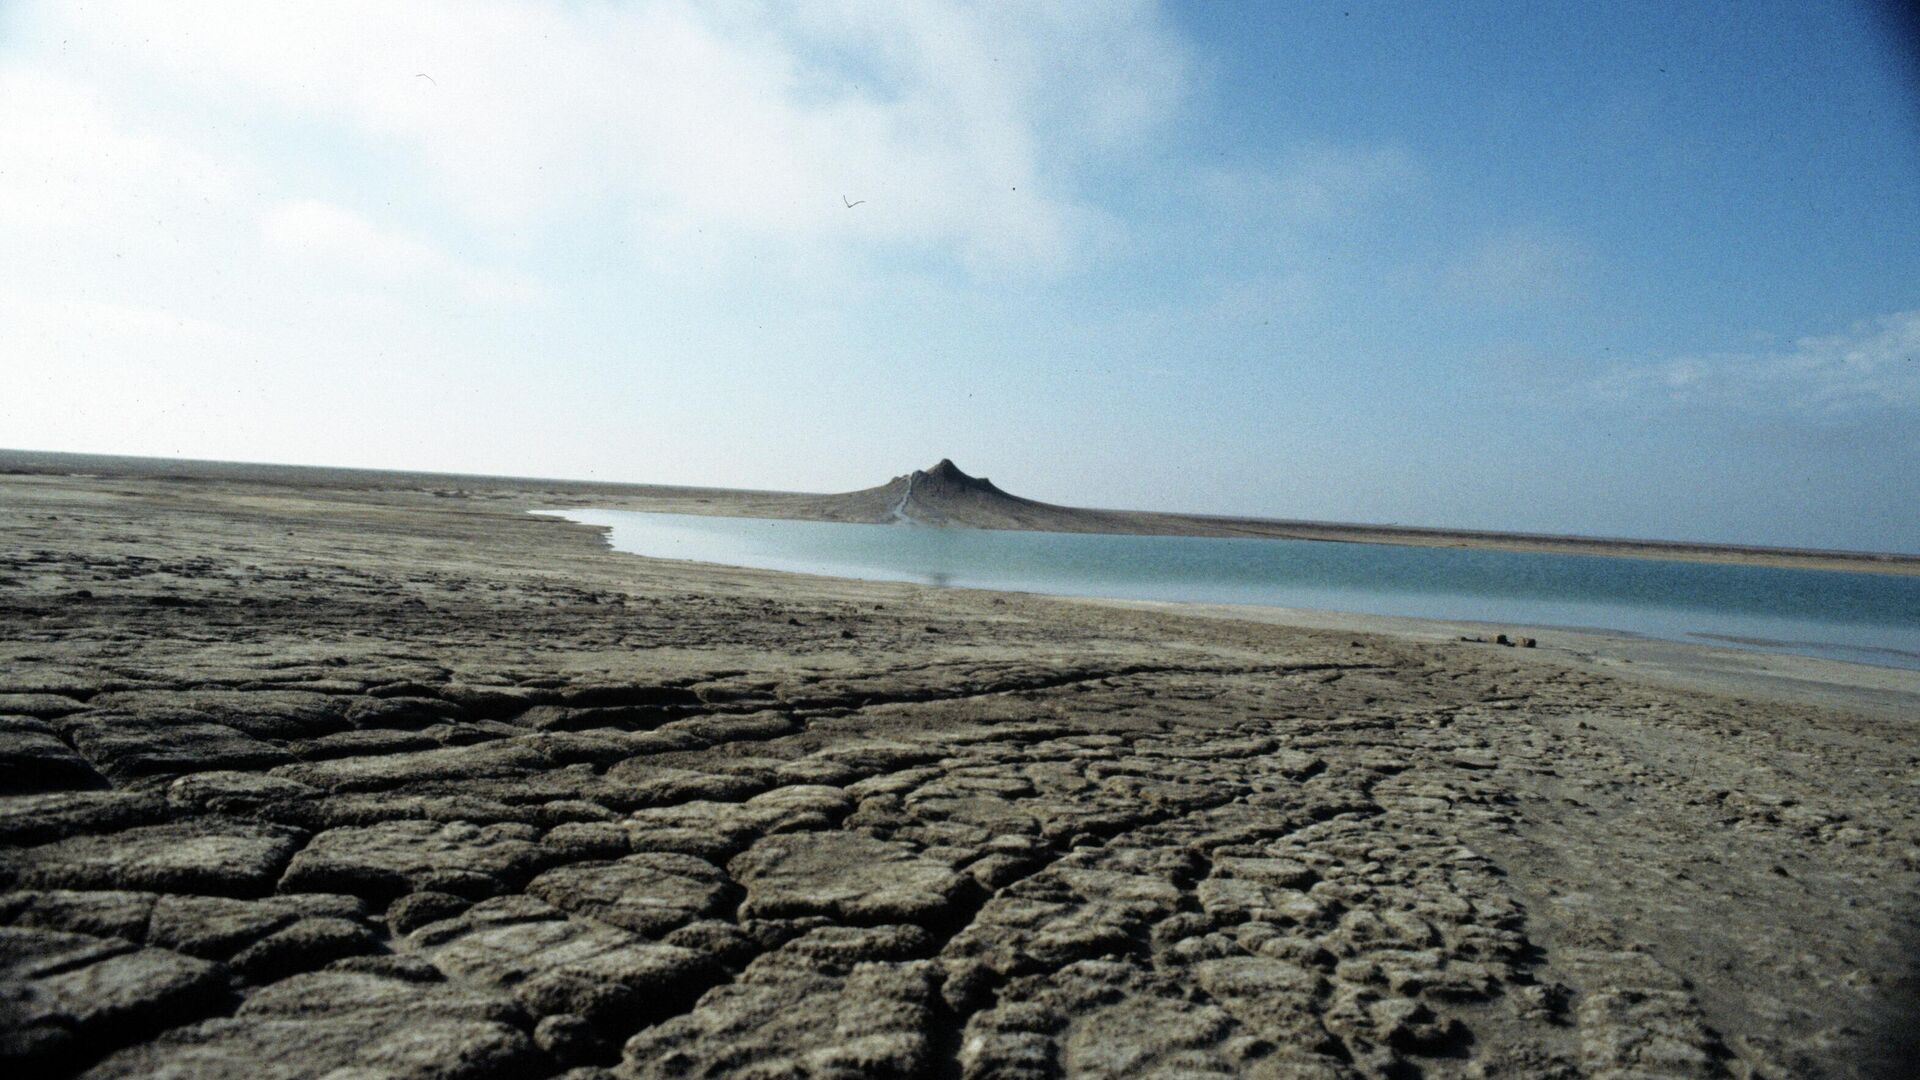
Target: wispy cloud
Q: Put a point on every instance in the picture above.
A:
(1872, 365)
(1517, 266)
(1315, 184)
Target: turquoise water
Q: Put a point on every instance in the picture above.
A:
(1871, 618)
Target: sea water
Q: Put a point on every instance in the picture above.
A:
(1871, 618)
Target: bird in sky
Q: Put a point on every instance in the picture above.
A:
(854, 203)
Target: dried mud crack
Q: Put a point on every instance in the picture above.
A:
(358, 781)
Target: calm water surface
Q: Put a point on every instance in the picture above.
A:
(1871, 618)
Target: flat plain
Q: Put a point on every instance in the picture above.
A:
(365, 775)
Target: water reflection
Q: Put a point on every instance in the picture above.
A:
(1871, 618)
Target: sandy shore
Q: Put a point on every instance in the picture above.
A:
(389, 776)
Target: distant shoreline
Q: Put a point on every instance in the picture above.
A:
(729, 502)
(1677, 550)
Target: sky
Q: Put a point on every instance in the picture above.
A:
(1631, 269)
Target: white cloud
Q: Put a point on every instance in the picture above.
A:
(320, 234)
(65, 334)
(78, 182)
(257, 208)
(961, 126)
(1874, 364)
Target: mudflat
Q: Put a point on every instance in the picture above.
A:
(308, 774)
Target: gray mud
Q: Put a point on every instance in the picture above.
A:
(379, 779)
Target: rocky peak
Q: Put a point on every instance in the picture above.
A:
(946, 472)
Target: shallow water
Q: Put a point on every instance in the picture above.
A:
(1870, 618)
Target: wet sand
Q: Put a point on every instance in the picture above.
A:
(386, 775)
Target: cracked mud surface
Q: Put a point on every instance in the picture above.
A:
(382, 782)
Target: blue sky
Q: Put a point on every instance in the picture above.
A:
(1630, 269)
